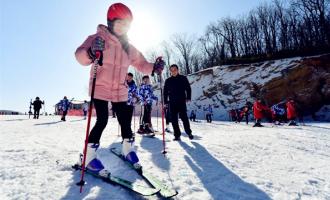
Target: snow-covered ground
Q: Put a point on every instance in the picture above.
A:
(225, 161)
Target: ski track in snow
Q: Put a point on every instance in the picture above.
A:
(225, 161)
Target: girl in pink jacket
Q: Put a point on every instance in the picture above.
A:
(117, 55)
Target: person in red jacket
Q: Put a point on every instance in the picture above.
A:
(259, 110)
(291, 112)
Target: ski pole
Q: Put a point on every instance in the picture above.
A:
(157, 116)
(118, 128)
(81, 183)
(163, 114)
(44, 108)
(134, 116)
(141, 120)
(30, 108)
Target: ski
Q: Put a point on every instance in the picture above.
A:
(165, 191)
(147, 134)
(142, 190)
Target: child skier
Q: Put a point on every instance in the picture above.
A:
(132, 95)
(278, 112)
(117, 54)
(146, 97)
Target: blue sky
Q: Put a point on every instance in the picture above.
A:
(38, 39)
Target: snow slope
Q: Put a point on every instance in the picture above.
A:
(225, 161)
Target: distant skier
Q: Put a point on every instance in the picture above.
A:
(247, 108)
(291, 112)
(177, 92)
(117, 55)
(132, 95)
(192, 116)
(65, 106)
(259, 110)
(245, 113)
(36, 107)
(209, 113)
(146, 97)
(233, 115)
(85, 108)
(278, 113)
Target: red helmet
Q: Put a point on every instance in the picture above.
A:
(119, 11)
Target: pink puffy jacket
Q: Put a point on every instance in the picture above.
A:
(110, 78)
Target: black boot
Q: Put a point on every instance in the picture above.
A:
(292, 123)
(190, 136)
(257, 125)
(141, 130)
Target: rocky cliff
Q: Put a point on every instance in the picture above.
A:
(306, 79)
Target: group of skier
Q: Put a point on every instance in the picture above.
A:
(282, 112)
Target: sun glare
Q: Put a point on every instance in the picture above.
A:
(144, 33)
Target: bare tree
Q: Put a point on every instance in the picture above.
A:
(185, 45)
(283, 18)
(152, 54)
(167, 50)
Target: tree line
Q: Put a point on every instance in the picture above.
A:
(272, 30)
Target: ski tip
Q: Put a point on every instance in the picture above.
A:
(169, 196)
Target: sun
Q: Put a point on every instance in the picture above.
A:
(144, 33)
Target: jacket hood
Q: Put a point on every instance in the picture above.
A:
(103, 31)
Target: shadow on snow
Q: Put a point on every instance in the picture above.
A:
(218, 180)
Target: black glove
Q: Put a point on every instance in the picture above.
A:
(158, 66)
(98, 45)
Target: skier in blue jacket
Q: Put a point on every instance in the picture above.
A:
(132, 95)
(65, 106)
(146, 97)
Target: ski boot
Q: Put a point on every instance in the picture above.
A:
(129, 153)
(141, 130)
(167, 129)
(148, 129)
(92, 163)
(190, 136)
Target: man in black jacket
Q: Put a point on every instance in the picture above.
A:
(36, 107)
(177, 92)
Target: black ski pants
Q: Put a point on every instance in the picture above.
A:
(124, 117)
(36, 113)
(179, 109)
(167, 116)
(147, 114)
(209, 118)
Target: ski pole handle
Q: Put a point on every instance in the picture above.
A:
(96, 62)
